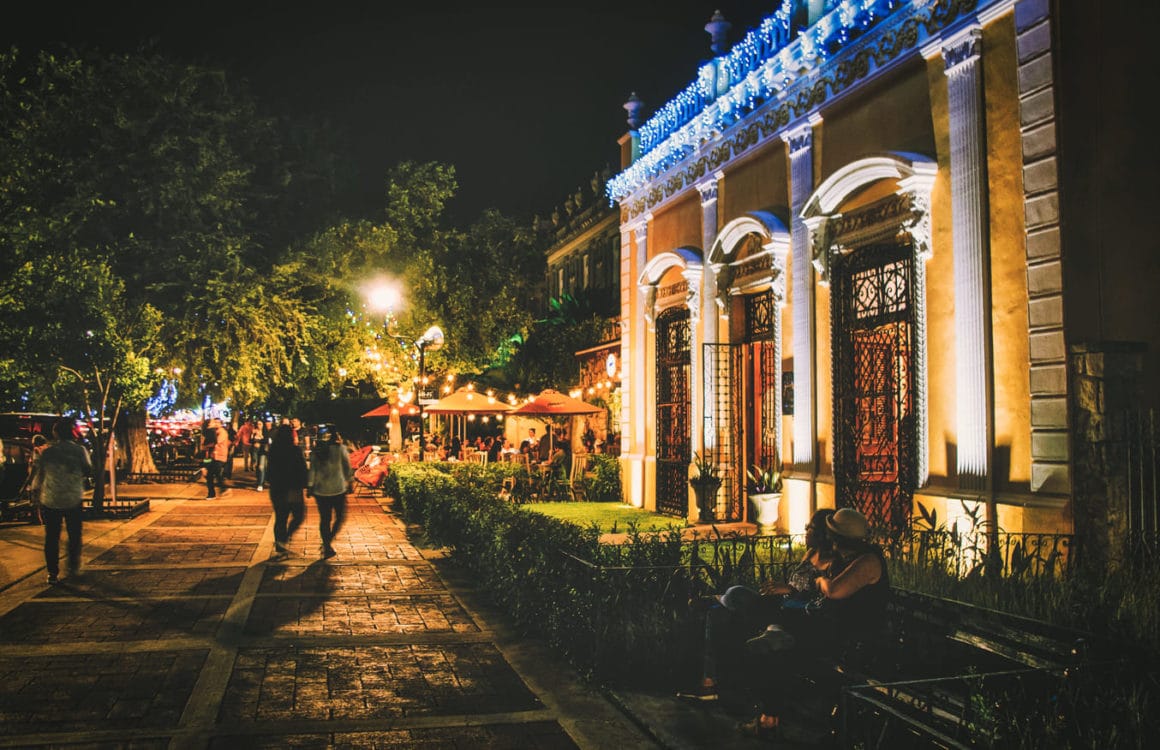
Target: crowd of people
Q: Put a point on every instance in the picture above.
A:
(290, 463)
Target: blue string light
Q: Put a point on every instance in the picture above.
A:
(765, 61)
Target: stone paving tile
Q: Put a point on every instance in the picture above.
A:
(228, 535)
(318, 615)
(350, 578)
(176, 554)
(137, 744)
(536, 735)
(46, 621)
(369, 547)
(96, 691)
(371, 682)
(212, 519)
(157, 582)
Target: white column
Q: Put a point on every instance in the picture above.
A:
(692, 275)
(641, 325)
(704, 436)
(800, 142)
(969, 214)
(627, 328)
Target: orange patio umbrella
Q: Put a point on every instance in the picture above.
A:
(468, 401)
(552, 403)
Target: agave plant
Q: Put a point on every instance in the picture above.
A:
(707, 472)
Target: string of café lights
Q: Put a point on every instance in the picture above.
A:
(404, 399)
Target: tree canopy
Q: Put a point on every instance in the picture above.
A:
(156, 224)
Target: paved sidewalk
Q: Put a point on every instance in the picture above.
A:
(183, 633)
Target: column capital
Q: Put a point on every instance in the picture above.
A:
(708, 189)
(963, 50)
(801, 138)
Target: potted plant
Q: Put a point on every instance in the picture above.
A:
(764, 490)
(705, 483)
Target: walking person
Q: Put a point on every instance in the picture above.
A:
(228, 465)
(216, 448)
(287, 474)
(329, 481)
(61, 472)
(260, 444)
(245, 438)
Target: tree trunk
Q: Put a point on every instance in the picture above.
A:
(100, 463)
(135, 441)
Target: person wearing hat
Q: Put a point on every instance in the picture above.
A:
(741, 611)
(854, 588)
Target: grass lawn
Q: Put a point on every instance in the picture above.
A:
(610, 518)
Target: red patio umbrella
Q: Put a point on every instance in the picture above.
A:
(379, 411)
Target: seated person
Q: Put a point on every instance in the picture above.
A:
(741, 612)
(854, 593)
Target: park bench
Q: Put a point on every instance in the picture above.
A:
(915, 684)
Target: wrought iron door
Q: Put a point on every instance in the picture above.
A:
(873, 344)
(723, 423)
(763, 393)
(672, 425)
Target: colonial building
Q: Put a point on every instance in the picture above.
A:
(583, 263)
(846, 250)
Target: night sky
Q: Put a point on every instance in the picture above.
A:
(524, 98)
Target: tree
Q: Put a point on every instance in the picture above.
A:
(169, 179)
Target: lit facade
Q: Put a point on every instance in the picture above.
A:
(843, 251)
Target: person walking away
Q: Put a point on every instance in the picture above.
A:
(329, 481)
(261, 445)
(61, 473)
(245, 436)
(216, 449)
(287, 474)
(228, 466)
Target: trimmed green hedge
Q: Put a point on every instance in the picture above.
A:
(619, 623)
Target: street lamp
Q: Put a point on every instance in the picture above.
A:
(431, 340)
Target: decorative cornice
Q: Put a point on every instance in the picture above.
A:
(699, 151)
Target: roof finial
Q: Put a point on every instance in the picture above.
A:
(634, 107)
(718, 29)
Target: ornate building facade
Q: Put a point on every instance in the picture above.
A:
(844, 253)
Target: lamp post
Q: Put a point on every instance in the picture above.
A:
(431, 340)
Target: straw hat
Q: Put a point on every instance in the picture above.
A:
(848, 524)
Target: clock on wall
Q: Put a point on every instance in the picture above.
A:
(610, 365)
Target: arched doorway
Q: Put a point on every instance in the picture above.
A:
(874, 345)
(672, 411)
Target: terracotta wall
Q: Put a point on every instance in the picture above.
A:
(1009, 327)
(677, 225)
(892, 116)
(757, 185)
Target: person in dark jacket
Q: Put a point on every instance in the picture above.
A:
(287, 475)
